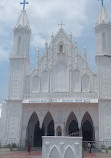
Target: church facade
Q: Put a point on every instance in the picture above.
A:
(61, 96)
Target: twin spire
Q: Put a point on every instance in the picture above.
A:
(103, 17)
(22, 21)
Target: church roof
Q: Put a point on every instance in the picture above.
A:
(102, 16)
(22, 20)
(61, 32)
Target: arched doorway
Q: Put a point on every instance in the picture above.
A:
(34, 132)
(38, 133)
(87, 131)
(72, 125)
(59, 131)
(50, 129)
(48, 124)
(87, 128)
(73, 128)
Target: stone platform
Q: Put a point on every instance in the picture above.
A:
(62, 147)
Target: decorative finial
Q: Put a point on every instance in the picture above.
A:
(24, 3)
(85, 53)
(102, 2)
(61, 24)
(76, 44)
(38, 51)
(71, 36)
(76, 47)
(52, 37)
(46, 44)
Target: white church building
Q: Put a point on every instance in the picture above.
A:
(61, 95)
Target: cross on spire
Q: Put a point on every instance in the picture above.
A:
(102, 2)
(24, 3)
(61, 24)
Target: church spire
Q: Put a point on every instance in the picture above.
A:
(102, 17)
(22, 21)
(102, 30)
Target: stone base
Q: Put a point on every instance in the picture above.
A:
(62, 147)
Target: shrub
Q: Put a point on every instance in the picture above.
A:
(13, 145)
(7, 146)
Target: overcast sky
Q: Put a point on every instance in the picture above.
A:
(44, 16)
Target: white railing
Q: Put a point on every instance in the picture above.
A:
(77, 95)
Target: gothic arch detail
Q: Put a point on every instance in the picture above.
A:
(31, 127)
(87, 127)
(59, 131)
(36, 84)
(44, 81)
(76, 81)
(54, 153)
(72, 125)
(69, 153)
(61, 48)
(85, 83)
(19, 45)
(48, 124)
(103, 42)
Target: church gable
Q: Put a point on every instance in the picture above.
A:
(62, 68)
(61, 35)
(61, 44)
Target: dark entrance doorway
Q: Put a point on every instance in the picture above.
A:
(59, 131)
(87, 131)
(73, 129)
(34, 132)
(48, 123)
(50, 130)
(38, 133)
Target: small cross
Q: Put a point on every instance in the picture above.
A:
(61, 24)
(24, 3)
(102, 2)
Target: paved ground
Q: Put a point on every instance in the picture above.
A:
(36, 154)
(20, 154)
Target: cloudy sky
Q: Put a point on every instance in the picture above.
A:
(44, 16)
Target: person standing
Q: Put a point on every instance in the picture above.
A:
(89, 146)
(29, 148)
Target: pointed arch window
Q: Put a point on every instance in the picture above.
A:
(103, 42)
(76, 81)
(61, 48)
(44, 81)
(85, 83)
(19, 45)
(36, 84)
